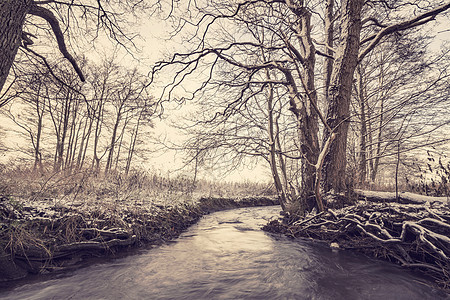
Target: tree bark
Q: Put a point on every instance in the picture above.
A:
(362, 157)
(98, 116)
(131, 150)
(329, 35)
(290, 191)
(72, 138)
(12, 18)
(380, 131)
(63, 125)
(304, 107)
(87, 129)
(272, 151)
(308, 117)
(40, 114)
(346, 59)
(309, 147)
(112, 145)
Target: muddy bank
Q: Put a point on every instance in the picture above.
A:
(414, 234)
(46, 236)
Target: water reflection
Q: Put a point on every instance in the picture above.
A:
(226, 256)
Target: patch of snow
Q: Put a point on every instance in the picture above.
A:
(334, 245)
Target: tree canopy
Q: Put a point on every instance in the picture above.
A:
(262, 62)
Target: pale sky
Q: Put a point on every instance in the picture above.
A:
(154, 48)
(155, 44)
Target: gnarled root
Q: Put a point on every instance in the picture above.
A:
(413, 235)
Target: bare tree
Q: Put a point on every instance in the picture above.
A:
(398, 85)
(81, 122)
(63, 112)
(283, 31)
(29, 112)
(144, 114)
(124, 100)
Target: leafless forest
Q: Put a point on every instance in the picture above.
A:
(328, 95)
(334, 98)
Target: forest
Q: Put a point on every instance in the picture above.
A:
(339, 101)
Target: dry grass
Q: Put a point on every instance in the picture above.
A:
(20, 182)
(21, 239)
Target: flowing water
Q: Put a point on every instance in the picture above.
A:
(227, 256)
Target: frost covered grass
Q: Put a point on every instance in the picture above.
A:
(78, 188)
(48, 219)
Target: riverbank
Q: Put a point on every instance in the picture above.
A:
(54, 221)
(43, 236)
(410, 230)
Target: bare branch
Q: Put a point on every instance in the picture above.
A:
(54, 24)
(50, 69)
(419, 20)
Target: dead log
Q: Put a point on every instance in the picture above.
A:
(112, 233)
(404, 197)
(93, 245)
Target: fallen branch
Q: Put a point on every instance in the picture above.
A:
(90, 245)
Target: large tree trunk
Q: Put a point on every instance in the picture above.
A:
(12, 18)
(309, 147)
(304, 109)
(346, 59)
(308, 117)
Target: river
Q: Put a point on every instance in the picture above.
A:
(226, 256)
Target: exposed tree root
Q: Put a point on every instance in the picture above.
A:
(412, 235)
